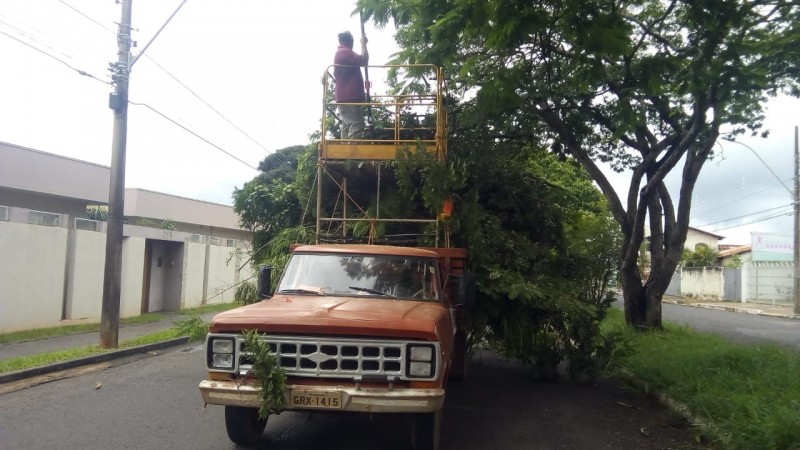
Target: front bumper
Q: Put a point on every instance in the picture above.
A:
(406, 400)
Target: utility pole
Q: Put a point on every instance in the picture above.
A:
(796, 292)
(118, 102)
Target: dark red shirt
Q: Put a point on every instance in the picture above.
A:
(349, 82)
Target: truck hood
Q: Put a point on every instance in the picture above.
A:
(316, 315)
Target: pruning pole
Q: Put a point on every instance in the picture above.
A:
(366, 73)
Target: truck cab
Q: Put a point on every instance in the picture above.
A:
(358, 328)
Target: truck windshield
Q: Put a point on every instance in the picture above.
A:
(400, 277)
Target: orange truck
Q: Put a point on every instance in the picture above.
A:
(357, 328)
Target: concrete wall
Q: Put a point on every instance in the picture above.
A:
(702, 282)
(52, 274)
(133, 254)
(222, 274)
(85, 292)
(193, 273)
(32, 273)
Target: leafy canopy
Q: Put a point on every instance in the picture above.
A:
(643, 85)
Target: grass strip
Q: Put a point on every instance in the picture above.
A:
(44, 333)
(749, 393)
(192, 326)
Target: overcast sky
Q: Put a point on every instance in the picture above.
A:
(258, 63)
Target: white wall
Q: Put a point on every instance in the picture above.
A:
(221, 274)
(702, 282)
(132, 283)
(193, 273)
(85, 295)
(34, 267)
(31, 276)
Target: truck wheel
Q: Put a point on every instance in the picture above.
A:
(243, 425)
(426, 430)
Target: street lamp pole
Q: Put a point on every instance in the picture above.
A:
(796, 293)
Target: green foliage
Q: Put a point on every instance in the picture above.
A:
(735, 262)
(97, 212)
(270, 377)
(273, 201)
(701, 256)
(246, 293)
(192, 326)
(168, 225)
(640, 85)
(745, 393)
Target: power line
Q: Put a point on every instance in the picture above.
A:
(192, 133)
(746, 215)
(84, 73)
(239, 129)
(81, 72)
(755, 221)
(208, 105)
(87, 17)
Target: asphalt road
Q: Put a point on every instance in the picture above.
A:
(153, 403)
(744, 328)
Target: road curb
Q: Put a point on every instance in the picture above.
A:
(92, 359)
(667, 402)
(756, 312)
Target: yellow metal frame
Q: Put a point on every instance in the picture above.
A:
(374, 150)
(369, 148)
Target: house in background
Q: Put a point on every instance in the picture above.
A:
(694, 238)
(177, 252)
(734, 255)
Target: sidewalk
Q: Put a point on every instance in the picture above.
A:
(126, 332)
(761, 309)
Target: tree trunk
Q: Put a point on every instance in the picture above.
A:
(642, 302)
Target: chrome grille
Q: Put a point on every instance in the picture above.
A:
(334, 358)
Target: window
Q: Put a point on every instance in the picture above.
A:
(86, 224)
(213, 240)
(44, 218)
(3, 213)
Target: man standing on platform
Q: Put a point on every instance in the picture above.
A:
(349, 84)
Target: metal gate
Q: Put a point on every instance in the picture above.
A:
(674, 288)
(732, 289)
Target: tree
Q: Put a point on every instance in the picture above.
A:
(702, 256)
(645, 85)
(271, 202)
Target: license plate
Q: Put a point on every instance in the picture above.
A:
(315, 399)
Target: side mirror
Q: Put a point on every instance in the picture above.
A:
(264, 281)
(466, 289)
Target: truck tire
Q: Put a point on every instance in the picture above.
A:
(243, 425)
(426, 430)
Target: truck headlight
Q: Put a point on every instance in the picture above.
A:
(419, 369)
(421, 353)
(223, 361)
(222, 346)
(421, 360)
(221, 352)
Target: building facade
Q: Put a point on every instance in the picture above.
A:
(177, 252)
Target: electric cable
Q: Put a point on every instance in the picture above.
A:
(81, 72)
(239, 129)
(193, 133)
